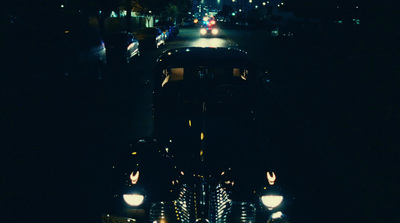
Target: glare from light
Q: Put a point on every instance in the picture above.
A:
(203, 31)
(271, 201)
(264, 3)
(190, 123)
(202, 136)
(214, 31)
(271, 178)
(209, 42)
(277, 215)
(134, 177)
(133, 199)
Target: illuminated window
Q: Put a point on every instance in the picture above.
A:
(176, 74)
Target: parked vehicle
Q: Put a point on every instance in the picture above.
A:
(122, 47)
(83, 54)
(151, 37)
(171, 26)
(166, 32)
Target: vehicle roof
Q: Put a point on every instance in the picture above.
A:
(206, 56)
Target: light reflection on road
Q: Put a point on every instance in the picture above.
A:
(210, 42)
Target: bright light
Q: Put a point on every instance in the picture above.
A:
(196, 21)
(271, 201)
(214, 31)
(271, 178)
(203, 31)
(212, 22)
(277, 215)
(134, 177)
(264, 3)
(133, 199)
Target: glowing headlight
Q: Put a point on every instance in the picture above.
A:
(277, 215)
(133, 199)
(203, 31)
(271, 201)
(214, 31)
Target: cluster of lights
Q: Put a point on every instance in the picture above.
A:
(220, 204)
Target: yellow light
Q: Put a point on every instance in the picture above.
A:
(203, 31)
(271, 178)
(66, 31)
(201, 136)
(134, 153)
(190, 123)
(201, 152)
(134, 177)
(196, 21)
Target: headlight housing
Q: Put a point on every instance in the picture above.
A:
(271, 201)
(133, 199)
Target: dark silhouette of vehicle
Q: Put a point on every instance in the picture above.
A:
(122, 47)
(83, 54)
(201, 163)
(150, 37)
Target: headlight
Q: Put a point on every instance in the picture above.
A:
(277, 215)
(214, 31)
(133, 199)
(203, 31)
(271, 201)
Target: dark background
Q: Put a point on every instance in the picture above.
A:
(339, 90)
